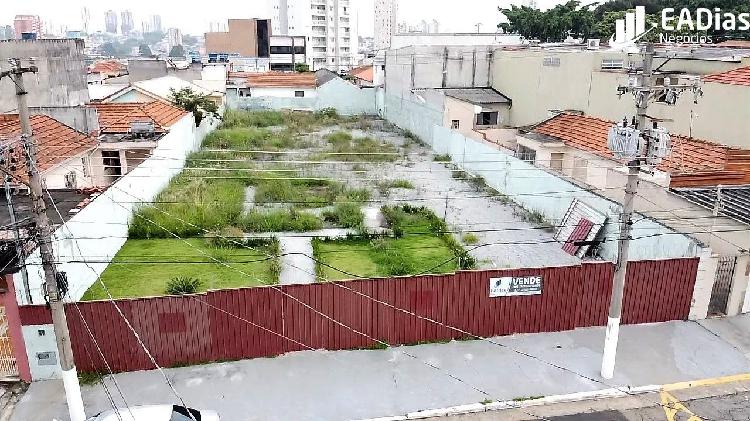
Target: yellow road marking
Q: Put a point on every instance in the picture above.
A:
(672, 406)
(707, 382)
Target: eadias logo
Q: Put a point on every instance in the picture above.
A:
(674, 25)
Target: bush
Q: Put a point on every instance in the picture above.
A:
(249, 138)
(227, 237)
(347, 215)
(442, 158)
(281, 220)
(183, 285)
(470, 238)
(327, 113)
(359, 149)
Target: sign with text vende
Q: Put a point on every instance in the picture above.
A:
(511, 286)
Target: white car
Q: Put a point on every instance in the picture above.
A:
(156, 413)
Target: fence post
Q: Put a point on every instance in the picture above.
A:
(704, 283)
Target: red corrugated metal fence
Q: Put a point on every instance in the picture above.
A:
(261, 322)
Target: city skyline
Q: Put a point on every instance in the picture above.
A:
(451, 16)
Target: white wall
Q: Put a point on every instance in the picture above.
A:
(409, 40)
(99, 230)
(55, 177)
(280, 92)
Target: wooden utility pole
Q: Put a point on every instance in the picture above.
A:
(43, 235)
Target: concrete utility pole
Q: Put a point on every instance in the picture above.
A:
(43, 235)
(626, 223)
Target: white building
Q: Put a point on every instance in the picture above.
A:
(174, 37)
(386, 13)
(330, 27)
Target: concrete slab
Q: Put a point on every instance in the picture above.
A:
(344, 385)
(297, 265)
(735, 330)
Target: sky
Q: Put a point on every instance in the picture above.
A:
(453, 16)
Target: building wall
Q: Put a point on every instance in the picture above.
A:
(241, 38)
(132, 95)
(101, 227)
(450, 39)
(143, 69)
(61, 79)
(579, 83)
(279, 92)
(79, 166)
(421, 67)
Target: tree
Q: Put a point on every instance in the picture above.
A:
(151, 38)
(301, 67)
(177, 51)
(553, 25)
(144, 51)
(109, 49)
(189, 39)
(198, 104)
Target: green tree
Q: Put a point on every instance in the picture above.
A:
(109, 49)
(553, 25)
(301, 67)
(145, 51)
(199, 104)
(177, 51)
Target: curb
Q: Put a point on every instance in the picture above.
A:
(617, 392)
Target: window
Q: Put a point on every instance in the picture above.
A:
(85, 165)
(556, 161)
(281, 49)
(487, 118)
(112, 163)
(299, 94)
(551, 62)
(455, 124)
(613, 64)
(526, 154)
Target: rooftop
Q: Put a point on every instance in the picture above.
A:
(162, 86)
(276, 79)
(735, 201)
(477, 95)
(108, 67)
(116, 118)
(365, 73)
(740, 76)
(56, 142)
(693, 162)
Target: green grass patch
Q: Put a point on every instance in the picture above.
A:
(245, 138)
(420, 246)
(346, 215)
(189, 206)
(143, 268)
(470, 238)
(442, 158)
(348, 148)
(240, 118)
(384, 187)
(280, 220)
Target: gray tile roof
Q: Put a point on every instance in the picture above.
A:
(477, 95)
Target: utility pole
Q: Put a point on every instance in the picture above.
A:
(20, 251)
(44, 239)
(626, 222)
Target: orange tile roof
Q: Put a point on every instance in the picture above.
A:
(277, 79)
(692, 162)
(56, 142)
(116, 117)
(740, 76)
(108, 67)
(363, 72)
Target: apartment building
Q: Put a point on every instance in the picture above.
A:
(330, 27)
(386, 16)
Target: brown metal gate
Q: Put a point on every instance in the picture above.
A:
(8, 367)
(722, 285)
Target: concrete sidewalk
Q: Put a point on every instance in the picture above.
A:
(345, 385)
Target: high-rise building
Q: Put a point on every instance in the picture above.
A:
(85, 18)
(243, 37)
(329, 25)
(110, 21)
(174, 37)
(156, 23)
(126, 23)
(27, 24)
(386, 13)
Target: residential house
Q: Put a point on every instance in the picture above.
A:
(129, 132)
(273, 84)
(481, 113)
(363, 76)
(102, 70)
(160, 89)
(64, 155)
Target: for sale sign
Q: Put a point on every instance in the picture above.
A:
(511, 286)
